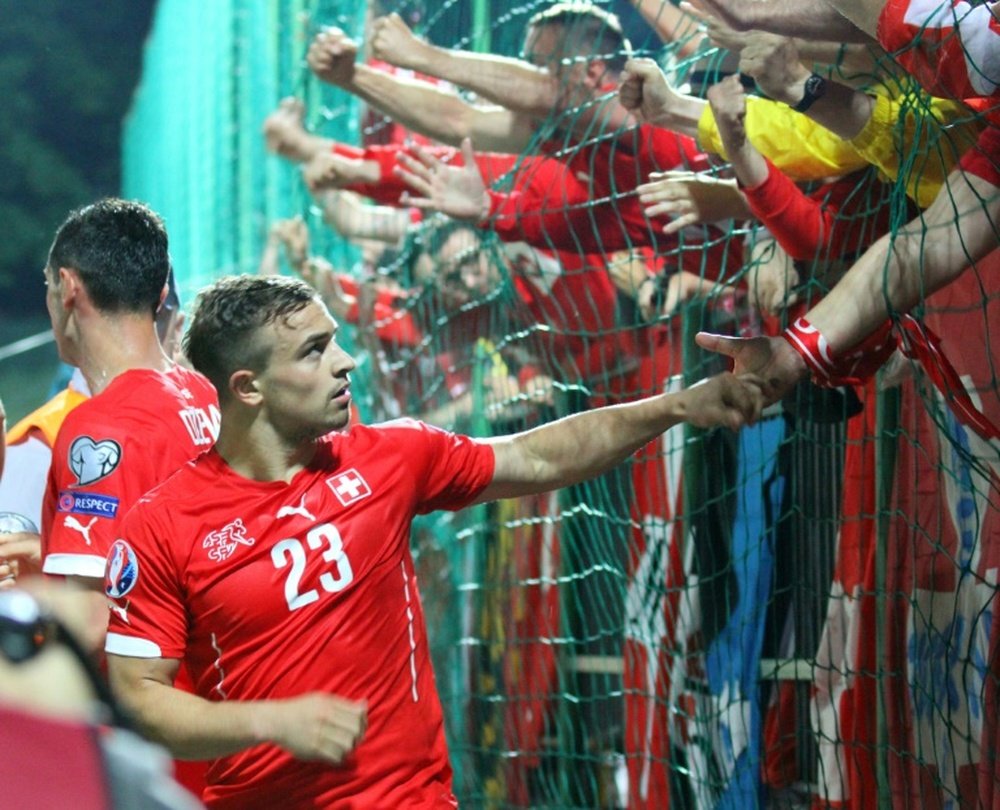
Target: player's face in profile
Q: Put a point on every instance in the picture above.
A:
(305, 384)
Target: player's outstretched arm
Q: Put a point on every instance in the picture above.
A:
(418, 105)
(315, 726)
(584, 445)
(512, 83)
(809, 19)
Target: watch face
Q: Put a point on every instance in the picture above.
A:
(815, 85)
(813, 89)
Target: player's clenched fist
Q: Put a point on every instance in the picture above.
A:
(645, 92)
(392, 41)
(331, 56)
(318, 726)
(726, 400)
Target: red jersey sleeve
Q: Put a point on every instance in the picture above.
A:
(148, 618)
(841, 218)
(110, 451)
(797, 222)
(661, 150)
(551, 208)
(95, 465)
(450, 470)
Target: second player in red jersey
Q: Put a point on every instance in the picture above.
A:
(112, 449)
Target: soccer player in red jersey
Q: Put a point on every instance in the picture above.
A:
(277, 565)
(105, 278)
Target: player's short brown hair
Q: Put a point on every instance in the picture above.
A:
(221, 338)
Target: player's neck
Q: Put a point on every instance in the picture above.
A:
(256, 452)
(112, 346)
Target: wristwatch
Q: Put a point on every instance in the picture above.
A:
(815, 87)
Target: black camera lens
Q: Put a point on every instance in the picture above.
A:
(23, 628)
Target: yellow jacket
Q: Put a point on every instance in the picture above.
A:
(908, 132)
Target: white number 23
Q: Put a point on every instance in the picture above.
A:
(291, 551)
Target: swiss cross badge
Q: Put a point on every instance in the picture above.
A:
(349, 486)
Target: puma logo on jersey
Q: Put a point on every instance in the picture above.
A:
(72, 523)
(288, 511)
(222, 543)
(91, 460)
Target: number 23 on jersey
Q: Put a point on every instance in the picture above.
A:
(293, 552)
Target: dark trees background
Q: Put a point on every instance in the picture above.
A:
(67, 72)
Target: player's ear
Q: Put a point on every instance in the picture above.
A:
(243, 387)
(70, 285)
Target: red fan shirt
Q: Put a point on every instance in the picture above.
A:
(269, 590)
(114, 448)
(952, 47)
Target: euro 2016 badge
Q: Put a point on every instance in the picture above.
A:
(121, 571)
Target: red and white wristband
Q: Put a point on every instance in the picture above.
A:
(812, 347)
(850, 367)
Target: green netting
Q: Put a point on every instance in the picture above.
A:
(801, 612)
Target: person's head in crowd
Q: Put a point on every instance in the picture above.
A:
(268, 343)
(577, 40)
(110, 258)
(450, 256)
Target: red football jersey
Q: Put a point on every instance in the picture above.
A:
(270, 590)
(111, 450)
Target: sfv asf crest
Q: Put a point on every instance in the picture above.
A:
(222, 542)
(93, 460)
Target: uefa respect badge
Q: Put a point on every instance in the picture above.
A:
(11, 522)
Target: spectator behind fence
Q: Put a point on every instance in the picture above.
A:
(519, 95)
(555, 102)
(286, 489)
(838, 129)
(902, 268)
